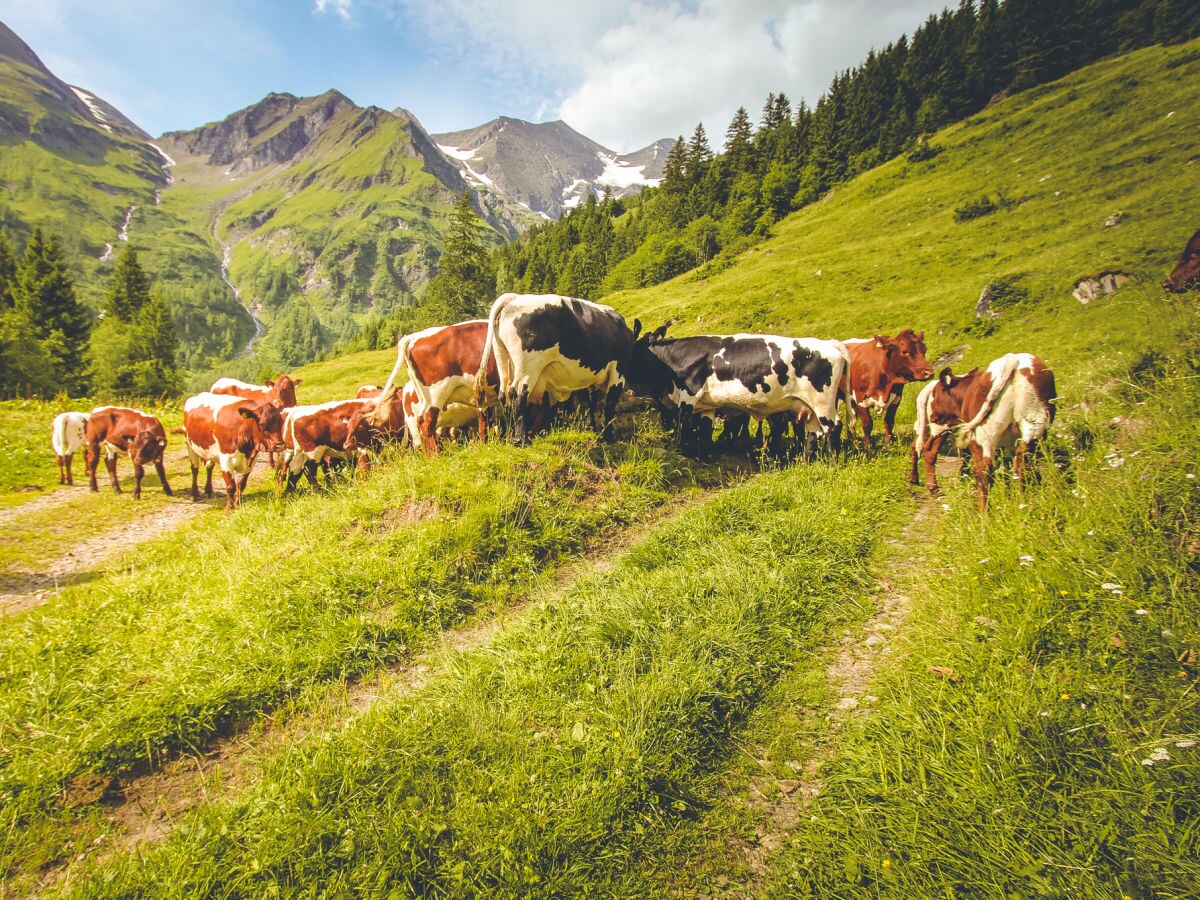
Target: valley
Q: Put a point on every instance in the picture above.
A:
(586, 668)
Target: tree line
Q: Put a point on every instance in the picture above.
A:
(51, 343)
(709, 207)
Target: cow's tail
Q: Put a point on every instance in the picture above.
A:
(1000, 380)
(492, 346)
(921, 423)
(378, 416)
(58, 434)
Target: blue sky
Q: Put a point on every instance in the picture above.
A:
(622, 73)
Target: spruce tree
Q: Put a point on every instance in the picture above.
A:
(465, 284)
(158, 346)
(129, 290)
(8, 274)
(45, 304)
(737, 143)
(674, 178)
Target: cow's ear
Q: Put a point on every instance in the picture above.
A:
(298, 382)
(880, 342)
(637, 328)
(921, 336)
(270, 382)
(946, 376)
(247, 413)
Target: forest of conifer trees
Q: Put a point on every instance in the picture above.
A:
(711, 207)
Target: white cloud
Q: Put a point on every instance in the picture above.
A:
(341, 8)
(626, 74)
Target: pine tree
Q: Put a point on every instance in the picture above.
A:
(675, 168)
(465, 284)
(8, 274)
(44, 300)
(129, 290)
(699, 154)
(158, 346)
(738, 143)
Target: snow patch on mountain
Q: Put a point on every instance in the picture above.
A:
(90, 102)
(466, 157)
(622, 175)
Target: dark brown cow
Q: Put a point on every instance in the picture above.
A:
(124, 430)
(281, 392)
(1009, 404)
(228, 430)
(341, 428)
(444, 365)
(880, 367)
(1186, 273)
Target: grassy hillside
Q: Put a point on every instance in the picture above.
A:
(805, 682)
(884, 251)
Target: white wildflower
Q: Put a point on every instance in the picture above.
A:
(1026, 560)
(1185, 745)
(1109, 586)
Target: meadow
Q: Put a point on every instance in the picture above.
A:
(589, 669)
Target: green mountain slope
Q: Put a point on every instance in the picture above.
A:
(885, 251)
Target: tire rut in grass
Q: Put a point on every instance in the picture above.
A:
(22, 588)
(144, 805)
(852, 664)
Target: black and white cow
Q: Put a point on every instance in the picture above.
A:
(548, 347)
(759, 375)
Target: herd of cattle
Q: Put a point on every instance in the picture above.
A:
(537, 354)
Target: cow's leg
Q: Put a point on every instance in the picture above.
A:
(91, 459)
(195, 481)
(161, 470)
(889, 420)
(310, 472)
(864, 419)
(62, 476)
(139, 472)
(539, 417)
(110, 460)
(208, 470)
(913, 476)
(835, 438)
(933, 446)
(482, 425)
(427, 425)
(233, 496)
(611, 399)
(983, 473)
(520, 409)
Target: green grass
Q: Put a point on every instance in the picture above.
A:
(432, 541)
(536, 763)
(340, 378)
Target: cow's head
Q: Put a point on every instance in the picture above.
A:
(264, 425)
(648, 375)
(1186, 273)
(283, 390)
(906, 355)
(147, 446)
(945, 403)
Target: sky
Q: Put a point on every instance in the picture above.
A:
(621, 73)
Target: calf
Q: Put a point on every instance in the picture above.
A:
(281, 392)
(445, 364)
(1008, 405)
(1186, 273)
(312, 435)
(68, 432)
(880, 367)
(124, 430)
(546, 347)
(752, 374)
(227, 431)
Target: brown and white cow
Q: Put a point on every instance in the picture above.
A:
(445, 364)
(1010, 404)
(1186, 273)
(880, 367)
(280, 391)
(340, 429)
(124, 430)
(367, 391)
(68, 432)
(546, 348)
(225, 430)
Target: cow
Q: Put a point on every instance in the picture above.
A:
(280, 391)
(444, 363)
(1010, 404)
(314, 434)
(754, 374)
(880, 367)
(367, 391)
(546, 347)
(124, 430)
(226, 430)
(68, 432)
(1186, 273)
(928, 435)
